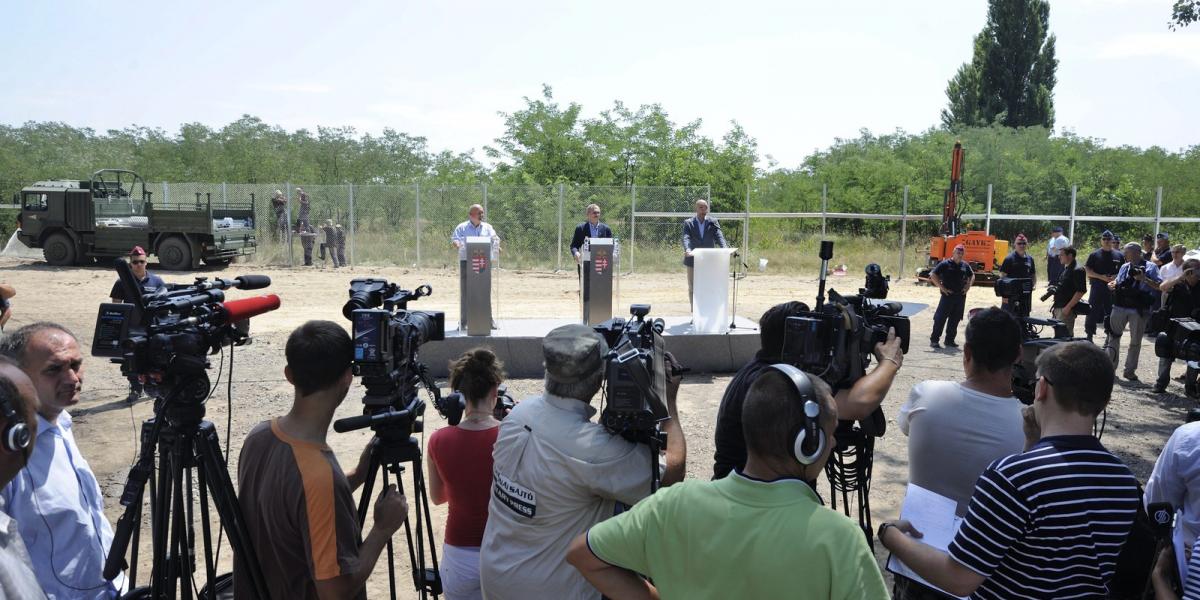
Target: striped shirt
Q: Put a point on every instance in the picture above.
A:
(1050, 522)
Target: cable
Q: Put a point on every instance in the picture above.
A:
(38, 509)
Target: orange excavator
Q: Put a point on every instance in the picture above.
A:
(983, 251)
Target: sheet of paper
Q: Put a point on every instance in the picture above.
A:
(934, 516)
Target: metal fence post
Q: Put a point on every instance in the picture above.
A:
(418, 222)
(166, 194)
(708, 193)
(988, 217)
(485, 209)
(351, 223)
(632, 223)
(1074, 191)
(824, 205)
(903, 230)
(560, 224)
(224, 195)
(746, 224)
(1157, 210)
(288, 238)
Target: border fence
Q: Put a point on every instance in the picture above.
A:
(410, 225)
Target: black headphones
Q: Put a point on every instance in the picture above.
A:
(15, 435)
(808, 439)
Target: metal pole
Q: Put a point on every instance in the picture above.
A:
(224, 195)
(418, 222)
(288, 228)
(166, 194)
(1074, 191)
(485, 210)
(560, 225)
(632, 223)
(1157, 210)
(988, 218)
(824, 205)
(708, 194)
(351, 223)
(903, 230)
(746, 225)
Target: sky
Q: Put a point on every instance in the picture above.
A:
(797, 75)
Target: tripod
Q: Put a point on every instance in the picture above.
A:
(849, 471)
(394, 448)
(184, 442)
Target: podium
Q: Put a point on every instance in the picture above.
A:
(476, 284)
(598, 259)
(710, 296)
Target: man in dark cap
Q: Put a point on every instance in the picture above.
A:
(953, 278)
(150, 284)
(1101, 268)
(1019, 264)
(557, 473)
(1162, 249)
(1054, 247)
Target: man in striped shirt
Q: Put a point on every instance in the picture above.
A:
(1049, 522)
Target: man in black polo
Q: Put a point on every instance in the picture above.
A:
(1101, 268)
(953, 277)
(1182, 300)
(1162, 249)
(1019, 264)
(1071, 286)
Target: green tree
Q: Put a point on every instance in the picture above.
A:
(1010, 79)
(1184, 13)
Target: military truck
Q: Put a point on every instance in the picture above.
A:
(76, 222)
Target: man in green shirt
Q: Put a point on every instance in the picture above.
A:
(761, 532)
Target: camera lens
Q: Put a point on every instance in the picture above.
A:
(358, 301)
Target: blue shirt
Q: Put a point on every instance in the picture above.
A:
(1151, 274)
(594, 229)
(151, 284)
(57, 504)
(467, 229)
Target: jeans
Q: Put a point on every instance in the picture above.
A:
(1136, 320)
(949, 313)
(1068, 323)
(1101, 301)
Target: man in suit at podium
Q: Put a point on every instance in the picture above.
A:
(591, 228)
(700, 231)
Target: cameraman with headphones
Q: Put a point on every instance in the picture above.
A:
(557, 473)
(855, 403)
(761, 532)
(18, 405)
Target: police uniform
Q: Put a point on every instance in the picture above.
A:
(1101, 262)
(955, 277)
(341, 244)
(150, 284)
(330, 243)
(307, 237)
(556, 474)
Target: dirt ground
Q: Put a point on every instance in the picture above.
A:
(106, 427)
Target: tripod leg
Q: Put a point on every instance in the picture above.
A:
(210, 566)
(159, 530)
(175, 561)
(423, 506)
(391, 552)
(364, 501)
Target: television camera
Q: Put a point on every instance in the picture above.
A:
(1019, 296)
(387, 340)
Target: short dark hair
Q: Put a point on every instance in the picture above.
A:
(14, 344)
(1081, 374)
(1070, 251)
(994, 337)
(770, 326)
(773, 412)
(475, 373)
(318, 353)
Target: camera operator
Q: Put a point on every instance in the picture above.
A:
(761, 532)
(1033, 529)
(1135, 291)
(1068, 291)
(296, 500)
(1019, 264)
(1182, 299)
(557, 473)
(953, 278)
(853, 404)
(955, 430)
(18, 404)
(150, 283)
(1101, 267)
(56, 500)
(1176, 479)
(462, 470)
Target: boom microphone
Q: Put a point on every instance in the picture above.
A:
(253, 282)
(240, 310)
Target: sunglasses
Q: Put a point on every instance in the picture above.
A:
(137, 262)
(1020, 243)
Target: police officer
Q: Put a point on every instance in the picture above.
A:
(1183, 300)
(340, 234)
(953, 277)
(1071, 285)
(1019, 264)
(307, 237)
(330, 241)
(305, 206)
(1101, 268)
(279, 203)
(150, 284)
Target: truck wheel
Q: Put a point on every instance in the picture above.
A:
(218, 262)
(174, 254)
(59, 250)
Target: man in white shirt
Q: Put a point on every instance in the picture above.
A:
(18, 403)
(1057, 242)
(56, 499)
(1176, 479)
(474, 226)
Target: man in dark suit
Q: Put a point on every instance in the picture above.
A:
(591, 228)
(700, 231)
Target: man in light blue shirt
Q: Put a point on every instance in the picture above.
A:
(56, 499)
(1135, 293)
(472, 227)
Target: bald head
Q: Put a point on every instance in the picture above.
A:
(475, 213)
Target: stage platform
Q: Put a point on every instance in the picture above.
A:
(518, 342)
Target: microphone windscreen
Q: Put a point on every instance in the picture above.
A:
(240, 310)
(252, 282)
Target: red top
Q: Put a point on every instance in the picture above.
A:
(463, 458)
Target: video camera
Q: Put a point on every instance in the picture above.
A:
(835, 341)
(876, 284)
(635, 375)
(1181, 340)
(386, 344)
(164, 338)
(1018, 292)
(452, 405)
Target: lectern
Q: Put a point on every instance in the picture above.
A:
(599, 261)
(476, 303)
(710, 298)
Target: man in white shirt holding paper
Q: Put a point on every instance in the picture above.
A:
(956, 429)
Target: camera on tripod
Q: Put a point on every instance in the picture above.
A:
(1181, 340)
(876, 284)
(452, 405)
(635, 375)
(1018, 292)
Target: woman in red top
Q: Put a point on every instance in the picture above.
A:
(462, 473)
